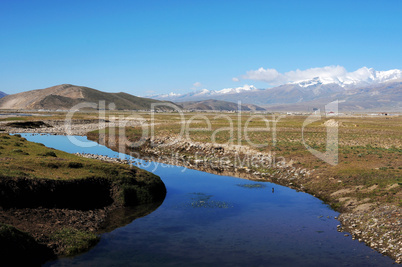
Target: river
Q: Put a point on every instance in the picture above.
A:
(212, 220)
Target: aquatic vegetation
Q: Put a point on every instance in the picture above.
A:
(201, 200)
(252, 186)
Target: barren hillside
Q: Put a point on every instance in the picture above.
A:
(65, 96)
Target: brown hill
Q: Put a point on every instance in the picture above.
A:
(65, 96)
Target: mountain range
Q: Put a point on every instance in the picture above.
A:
(364, 90)
(359, 78)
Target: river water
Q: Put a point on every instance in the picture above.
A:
(212, 220)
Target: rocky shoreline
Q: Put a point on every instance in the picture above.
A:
(379, 228)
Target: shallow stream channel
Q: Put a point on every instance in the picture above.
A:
(212, 220)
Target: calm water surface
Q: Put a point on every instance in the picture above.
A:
(211, 220)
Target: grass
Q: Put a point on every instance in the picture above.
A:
(21, 158)
(73, 241)
(14, 119)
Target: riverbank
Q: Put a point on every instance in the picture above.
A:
(369, 220)
(62, 202)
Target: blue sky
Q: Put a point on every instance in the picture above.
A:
(144, 47)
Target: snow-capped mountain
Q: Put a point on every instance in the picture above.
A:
(362, 89)
(241, 89)
(361, 77)
(204, 94)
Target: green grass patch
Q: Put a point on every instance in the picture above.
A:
(14, 119)
(74, 241)
(46, 163)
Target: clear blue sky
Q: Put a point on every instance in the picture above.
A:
(163, 46)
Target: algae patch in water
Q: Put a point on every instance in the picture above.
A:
(252, 186)
(201, 200)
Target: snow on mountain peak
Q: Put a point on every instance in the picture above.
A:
(360, 77)
(206, 92)
(203, 92)
(243, 88)
(166, 95)
(307, 83)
